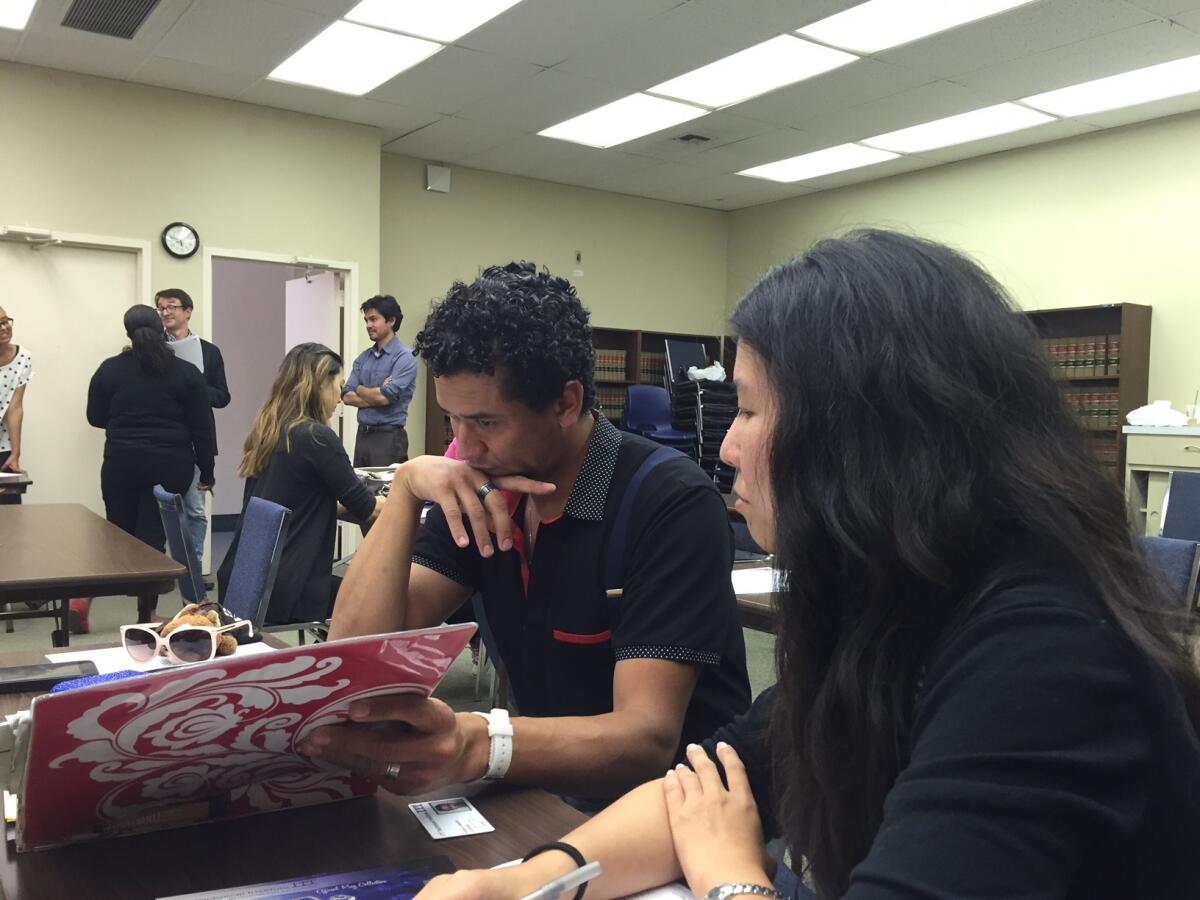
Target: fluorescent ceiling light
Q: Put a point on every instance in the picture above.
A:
(820, 162)
(756, 70)
(353, 59)
(1170, 79)
(15, 13)
(439, 20)
(990, 121)
(623, 120)
(879, 24)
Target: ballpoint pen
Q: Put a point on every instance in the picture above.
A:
(551, 890)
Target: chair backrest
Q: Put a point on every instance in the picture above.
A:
(1181, 507)
(647, 406)
(174, 521)
(1178, 563)
(260, 545)
(681, 356)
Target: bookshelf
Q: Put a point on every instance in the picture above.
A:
(1101, 356)
(623, 357)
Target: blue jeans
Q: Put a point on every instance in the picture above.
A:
(789, 884)
(194, 508)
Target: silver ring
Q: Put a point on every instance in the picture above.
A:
(391, 771)
(484, 489)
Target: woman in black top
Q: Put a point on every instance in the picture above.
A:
(981, 692)
(291, 457)
(157, 428)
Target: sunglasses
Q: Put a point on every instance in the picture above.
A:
(186, 644)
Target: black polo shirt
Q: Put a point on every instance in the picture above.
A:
(558, 635)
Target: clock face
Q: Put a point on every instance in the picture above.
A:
(180, 239)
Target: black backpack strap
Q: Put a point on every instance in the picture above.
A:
(618, 536)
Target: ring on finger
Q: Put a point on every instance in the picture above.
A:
(484, 489)
(391, 771)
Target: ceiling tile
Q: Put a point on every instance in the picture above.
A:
(390, 118)
(294, 97)
(764, 148)
(1167, 7)
(922, 104)
(192, 77)
(10, 40)
(722, 187)
(453, 78)
(1098, 57)
(546, 32)
(676, 42)
(334, 9)
(48, 15)
(451, 139)
(1015, 34)
(857, 83)
(1040, 134)
(1145, 112)
(551, 160)
(240, 36)
(643, 182)
(542, 100)
(780, 15)
(757, 197)
(720, 128)
(79, 51)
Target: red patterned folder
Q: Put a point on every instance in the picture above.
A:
(183, 745)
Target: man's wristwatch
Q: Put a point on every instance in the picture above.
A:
(500, 732)
(725, 891)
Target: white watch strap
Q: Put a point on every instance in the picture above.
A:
(500, 733)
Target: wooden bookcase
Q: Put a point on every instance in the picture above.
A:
(642, 355)
(1103, 394)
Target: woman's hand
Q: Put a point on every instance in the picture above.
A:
(12, 464)
(506, 883)
(716, 830)
(454, 486)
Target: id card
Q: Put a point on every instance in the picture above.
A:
(453, 817)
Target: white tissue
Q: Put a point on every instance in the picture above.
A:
(715, 372)
(1157, 413)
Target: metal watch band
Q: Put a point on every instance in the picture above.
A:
(725, 891)
(500, 734)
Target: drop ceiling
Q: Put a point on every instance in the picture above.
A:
(481, 102)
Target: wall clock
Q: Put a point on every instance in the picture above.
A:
(180, 240)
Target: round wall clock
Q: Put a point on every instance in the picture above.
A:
(180, 240)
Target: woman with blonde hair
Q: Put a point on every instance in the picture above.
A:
(293, 458)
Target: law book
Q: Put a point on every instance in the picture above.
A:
(188, 744)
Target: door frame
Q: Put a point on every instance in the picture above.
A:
(136, 246)
(348, 538)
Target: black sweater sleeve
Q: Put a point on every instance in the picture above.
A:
(99, 394)
(199, 421)
(329, 457)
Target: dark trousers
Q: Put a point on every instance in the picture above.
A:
(380, 445)
(127, 486)
(7, 499)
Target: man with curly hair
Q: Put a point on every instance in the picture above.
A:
(612, 681)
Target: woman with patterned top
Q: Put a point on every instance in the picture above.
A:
(16, 368)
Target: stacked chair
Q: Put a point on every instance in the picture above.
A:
(704, 408)
(648, 413)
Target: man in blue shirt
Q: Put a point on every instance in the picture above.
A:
(380, 385)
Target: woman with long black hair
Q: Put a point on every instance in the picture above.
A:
(981, 692)
(157, 423)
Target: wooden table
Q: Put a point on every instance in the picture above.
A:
(333, 837)
(52, 552)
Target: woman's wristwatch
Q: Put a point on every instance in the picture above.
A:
(725, 891)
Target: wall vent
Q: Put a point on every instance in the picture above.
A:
(115, 18)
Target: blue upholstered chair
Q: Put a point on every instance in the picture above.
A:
(174, 521)
(260, 545)
(1181, 507)
(1178, 563)
(648, 413)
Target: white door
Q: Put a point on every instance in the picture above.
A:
(312, 311)
(67, 303)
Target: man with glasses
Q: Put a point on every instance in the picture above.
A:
(175, 308)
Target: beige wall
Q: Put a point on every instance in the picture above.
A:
(83, 154)
(1101, 219)
(646, 264)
